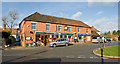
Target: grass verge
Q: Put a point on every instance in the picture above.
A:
(110, 51)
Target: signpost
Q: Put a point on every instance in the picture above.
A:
(102, 61)
(28, 38)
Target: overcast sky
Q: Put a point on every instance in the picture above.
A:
(102, 15)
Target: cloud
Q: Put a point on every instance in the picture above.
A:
(18, 22)
(100, 21)
(76, 15)
(101, 2)
(99, 13)
(16, 27)
(44, 0)
(104, 24)
(0, 26)
(21, 15)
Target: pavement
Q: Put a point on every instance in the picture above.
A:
(72, 53)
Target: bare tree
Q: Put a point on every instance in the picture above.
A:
(10, 19)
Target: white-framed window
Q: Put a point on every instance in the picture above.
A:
(47, 27)
(69, 29)
(33, 26)
(87, 30)
(88, 38)
(78, 29)
(59, 28)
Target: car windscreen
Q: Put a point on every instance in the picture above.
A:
(94, 38)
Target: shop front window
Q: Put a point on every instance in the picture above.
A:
(79, 38)
(88, 38)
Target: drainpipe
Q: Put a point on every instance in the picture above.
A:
(25, 39)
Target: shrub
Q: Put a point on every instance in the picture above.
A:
(11, 37)
(114, 39)
(5, 34)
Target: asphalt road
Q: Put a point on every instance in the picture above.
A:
(72, 53)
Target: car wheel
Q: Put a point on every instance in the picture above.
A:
(54, 45)
(66, 44)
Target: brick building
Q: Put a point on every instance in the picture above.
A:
(48, 28)
(94, 32)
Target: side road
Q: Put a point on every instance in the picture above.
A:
(14, 45)
(76, 52)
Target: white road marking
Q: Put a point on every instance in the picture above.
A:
(70, 56)
(91, 57)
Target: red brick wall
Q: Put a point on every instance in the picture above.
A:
(42, 27)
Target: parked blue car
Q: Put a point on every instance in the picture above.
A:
(107, 40)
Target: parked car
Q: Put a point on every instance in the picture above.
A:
(60, 41)
(97, 39)
(107, 40)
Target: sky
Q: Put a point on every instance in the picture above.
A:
(102, 15)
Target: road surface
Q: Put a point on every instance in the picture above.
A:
(72, 53)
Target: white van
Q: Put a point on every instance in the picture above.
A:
(97, 40)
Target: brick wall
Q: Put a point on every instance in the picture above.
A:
(42, 27)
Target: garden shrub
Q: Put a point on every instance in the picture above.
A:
(114, 39)
(5, 34)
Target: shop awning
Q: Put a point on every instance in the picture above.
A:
(84, 34)
(66, 33)
(44, 33)
(54, 33)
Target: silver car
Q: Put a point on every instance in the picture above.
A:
(60, 41)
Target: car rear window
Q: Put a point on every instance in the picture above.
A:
(62, 39)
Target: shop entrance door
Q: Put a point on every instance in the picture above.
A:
(44, 39)
(84, 39)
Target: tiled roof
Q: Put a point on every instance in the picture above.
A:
(94, 33)
(94, 29)
(52, 19)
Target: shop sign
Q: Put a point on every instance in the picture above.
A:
(50, 36)
(59, 36)
(63, 36)
(67, 36)
(28, 38)
(54, 36)
(65, 28)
